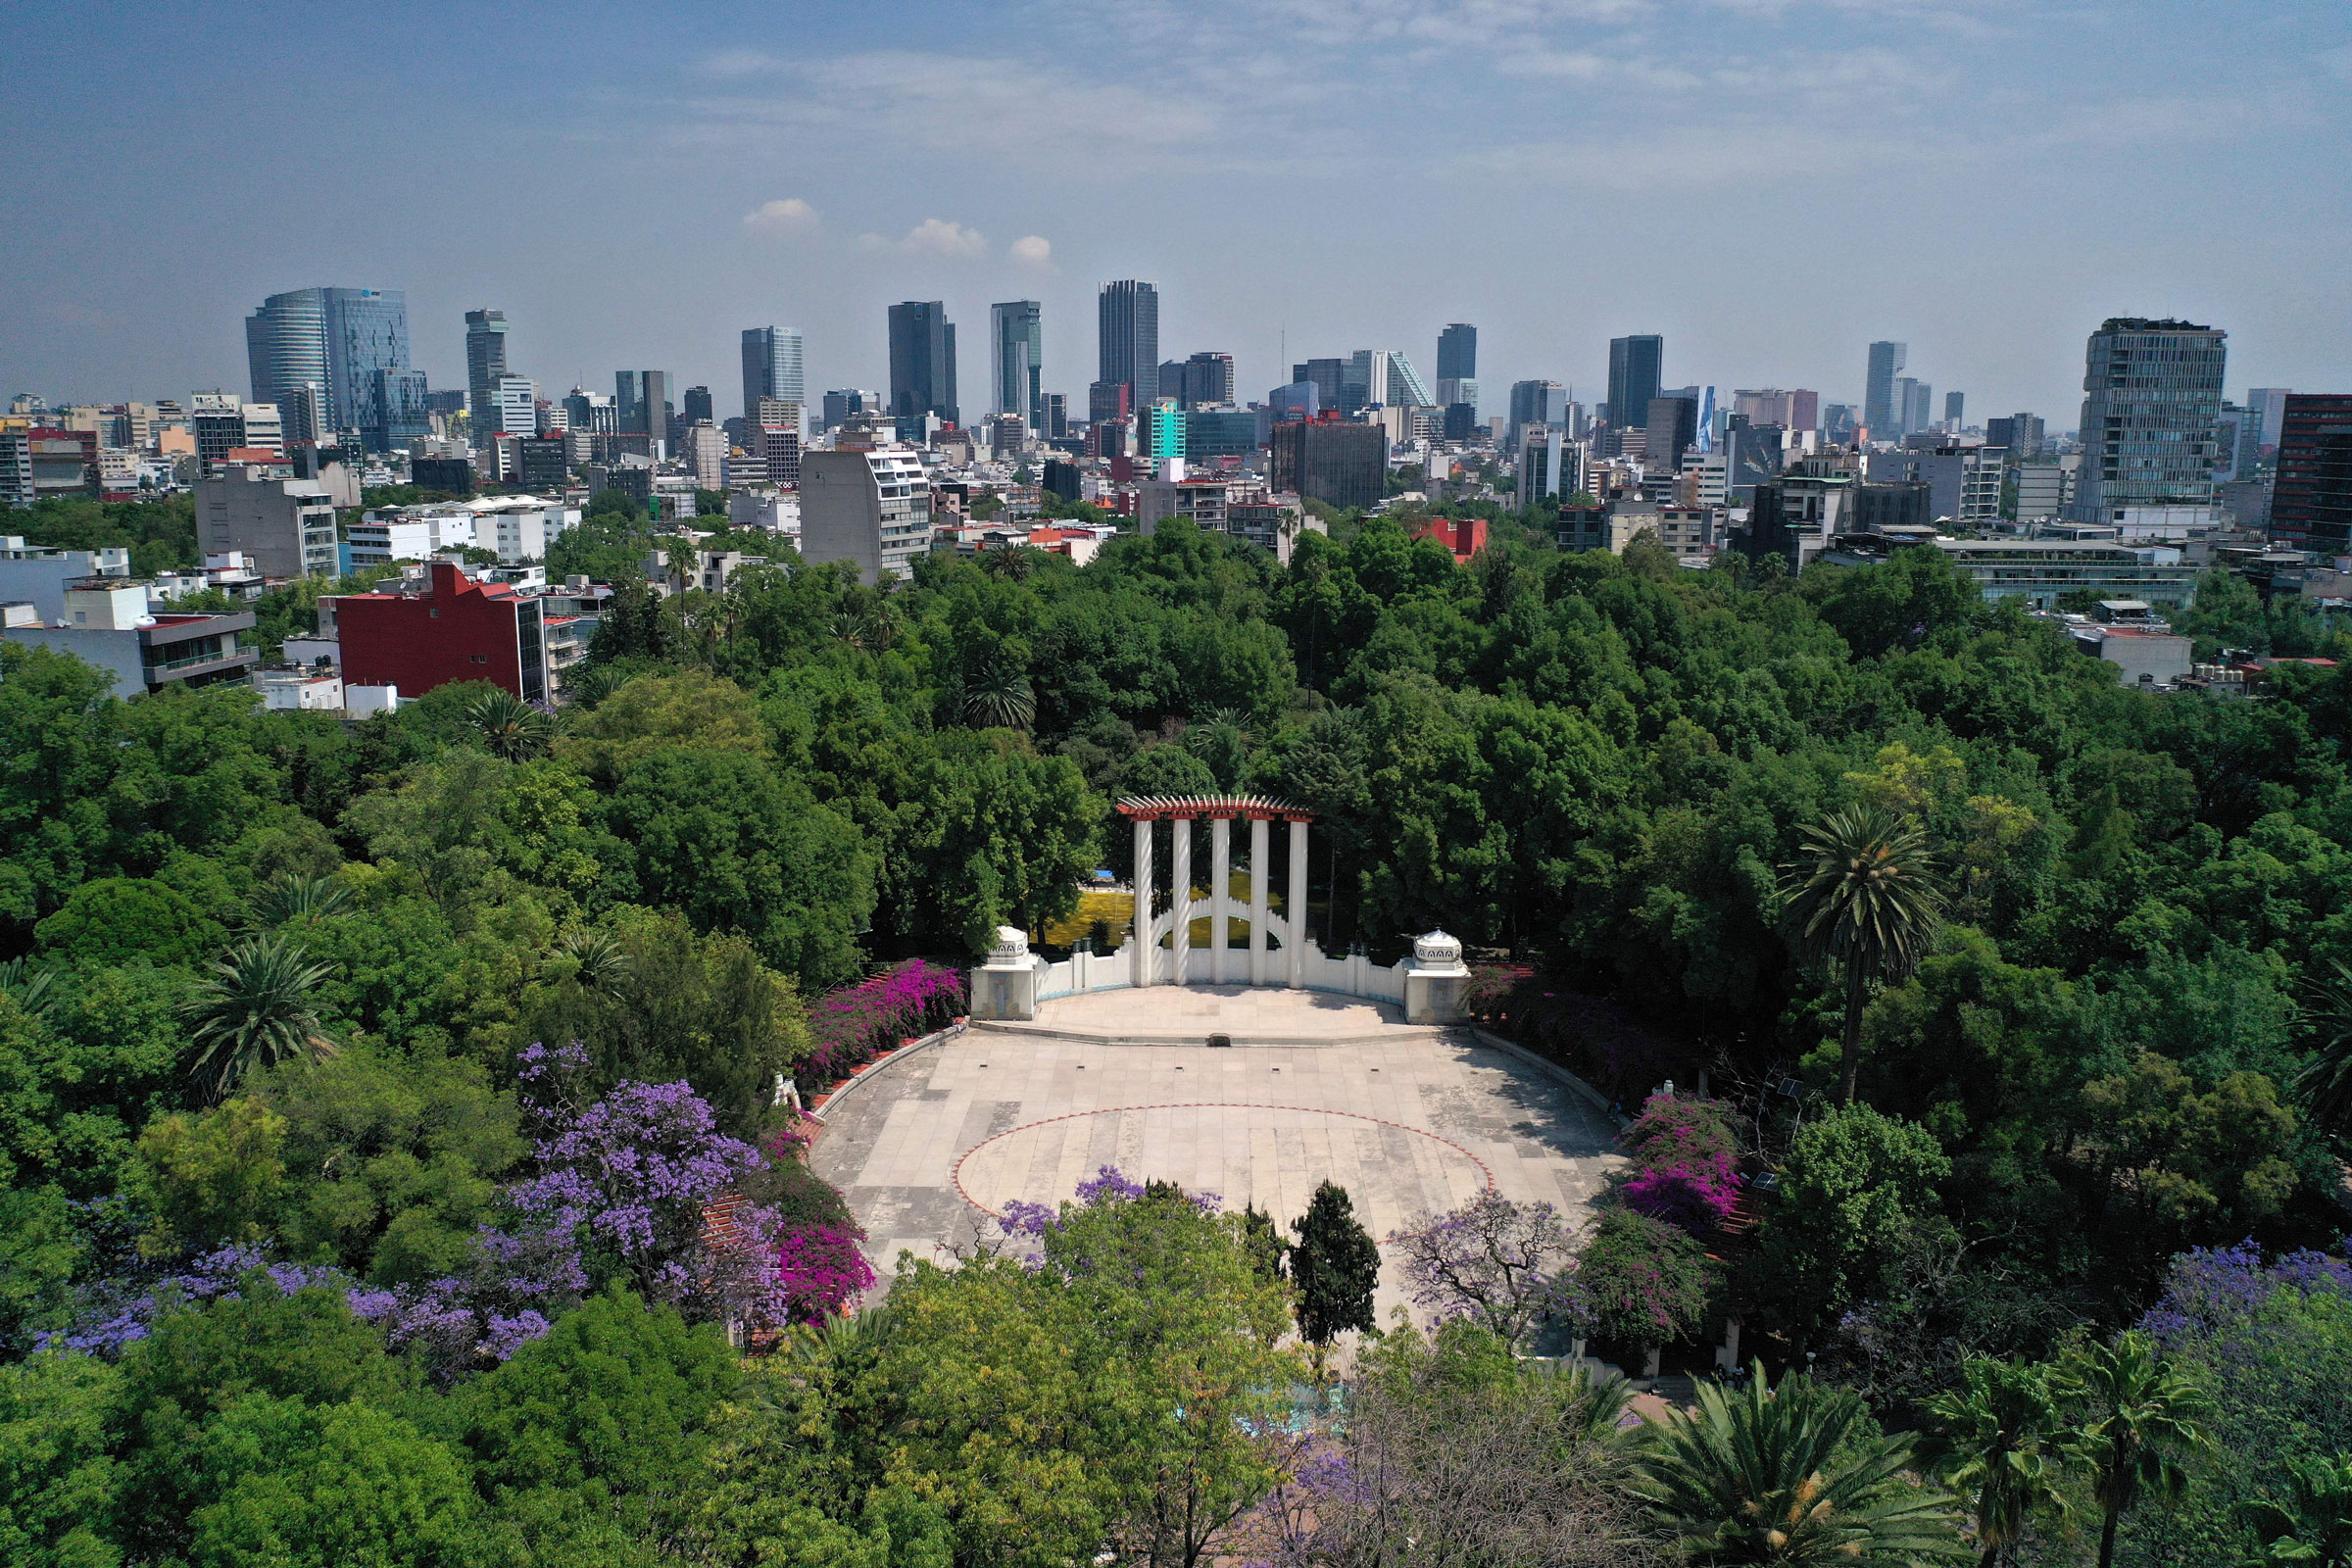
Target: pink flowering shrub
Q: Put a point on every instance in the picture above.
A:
(1686, 1163)
(848, 1027)
(819, 1272)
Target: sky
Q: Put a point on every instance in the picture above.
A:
(1769, 183)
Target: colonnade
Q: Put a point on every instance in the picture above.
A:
(1221, 813)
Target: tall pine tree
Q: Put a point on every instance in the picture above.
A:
(1335, 1264)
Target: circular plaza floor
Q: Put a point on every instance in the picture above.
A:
(1412, 1121)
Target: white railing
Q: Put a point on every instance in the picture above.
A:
(1354, 975)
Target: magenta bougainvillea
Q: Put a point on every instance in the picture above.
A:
(1686, 1163)
(819, 1272)
(847, 1028)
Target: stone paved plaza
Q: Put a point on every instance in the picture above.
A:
(1411, 1121)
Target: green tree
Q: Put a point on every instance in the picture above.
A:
(215, 1177)
(254, 1010)
(1335, 1267)
(334, 1486)
(118, 918)
(1855, 1189)
(512, 730)
(57, 1469)
(609, 1411)
(2140, 1422)
(1867, 905)
(1639, 1282)
(2314, 1525)
(1791, 1475)
(1999, 1440)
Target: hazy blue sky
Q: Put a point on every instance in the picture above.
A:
(1771, 183)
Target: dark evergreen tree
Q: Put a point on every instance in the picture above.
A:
(1335, 1264)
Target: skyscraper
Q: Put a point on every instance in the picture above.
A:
(2152, 391)
(486, 363)
(1536, 403)
(1880, 411)
(2311, 500)
(1634, 364)
(772, 368)
(366, 331)
(1457, 352)
(922, 361)
(1127, 338)
(1953, 403)
(1207, 380)
(642, 403)
(1017, 338)
(696, 407)
(1918, 397)
(2269, 404)
(335, 337)
(285, 347)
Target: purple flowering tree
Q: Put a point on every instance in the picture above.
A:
(1491, 1260)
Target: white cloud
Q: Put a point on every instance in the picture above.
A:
(733, 63)
(1034, 250)
(934, 236)
(787, 215)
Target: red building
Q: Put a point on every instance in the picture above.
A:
(458, 629)
(1464, 536)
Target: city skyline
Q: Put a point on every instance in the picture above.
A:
(769, 210)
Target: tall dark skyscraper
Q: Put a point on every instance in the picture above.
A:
(486, 363)
(1881, 412)
(695, 407)
(1457, 352)
(772, 367)
(922, 361)
(2311, 499)
(1128, 335)
(643, 403)
(1634, 365)
(1016, 337)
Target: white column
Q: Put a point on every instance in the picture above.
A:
(1142, 941)
(1220, 899)
(1295, 932)
(1257, 901)
(1180, 901)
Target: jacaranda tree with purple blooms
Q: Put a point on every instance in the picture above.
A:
(1492, 1261)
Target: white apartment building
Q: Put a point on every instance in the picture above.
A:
(870, 508)
(518, 528)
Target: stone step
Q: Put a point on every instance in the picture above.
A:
(1233, 1035)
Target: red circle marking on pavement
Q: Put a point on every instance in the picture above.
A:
(956, 1175)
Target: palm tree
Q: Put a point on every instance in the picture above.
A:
(33, 991)
(1755, 1477)
(255, 1011)
(512, 729)
(2313, 1528)
(2141, 1421)
(601, 963)
(2326, 1083)
(1870, 901)
(302, 898)
(998, 697)
(2001, 1442)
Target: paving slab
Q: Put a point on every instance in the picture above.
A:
(1411, 1121)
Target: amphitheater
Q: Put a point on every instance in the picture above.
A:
(1299, 1086)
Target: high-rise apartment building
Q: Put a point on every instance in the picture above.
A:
(1016, 337)
(1342, 463)
(1127, 339)
(1457, 352)
(486, 363)
(1636, 363)
(1881, 412)
(514, 407)
(867, 506)
(922, 361)
(2018, 434)
(2152, 391)
(1162, 429)
(2311, 498)
(772, 369)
